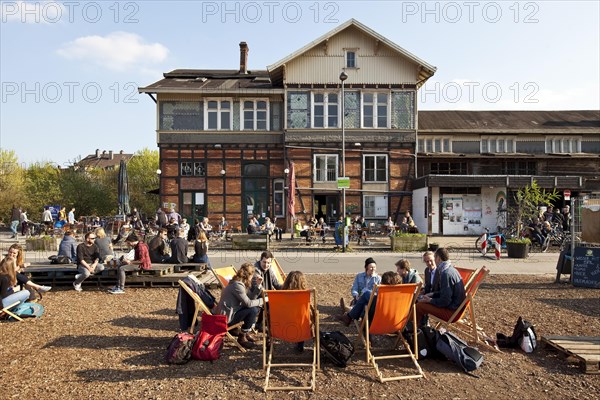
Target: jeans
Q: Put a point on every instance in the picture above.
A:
(21, 296)
(85, 273)
(248, 315)
(14, 225)
(358, 310)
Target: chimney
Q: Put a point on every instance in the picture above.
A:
(110, 155)
(243, 58)
(97, 153)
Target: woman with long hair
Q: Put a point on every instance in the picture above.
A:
(296, 281)
(15, 252)
(104, 244)
(8, 279)
(238, 307)
(201, 249)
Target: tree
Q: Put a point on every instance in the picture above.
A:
(11, 183)
(527, 203)
(142, 178)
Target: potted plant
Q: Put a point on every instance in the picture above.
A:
(433, 246)
(527, 202)
(518, 247)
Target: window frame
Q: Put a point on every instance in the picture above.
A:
(375, 169)
(507, 144)
(194, 168)
(326, 156)
(374, 215)
(375, 104)
(325, 105)
(443, 141)
(254, 114)
(347, 52)
(551, 142)
(219, 113)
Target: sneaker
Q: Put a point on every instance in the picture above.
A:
(113, 289)
(44, 289)
(116, 291)
(77, 287)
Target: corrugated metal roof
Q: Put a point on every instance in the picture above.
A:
(507, 121)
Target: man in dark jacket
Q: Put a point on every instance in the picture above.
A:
(68, 246)
(451, 292)
(264, 276)
(158, 247)
(179, 249)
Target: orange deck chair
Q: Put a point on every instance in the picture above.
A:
(463, 319)
(394, 307)
(290, 318)
(201, 307)
(224, 275)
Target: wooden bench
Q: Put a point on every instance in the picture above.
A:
(250, 242)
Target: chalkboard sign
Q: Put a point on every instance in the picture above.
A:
(586, 270)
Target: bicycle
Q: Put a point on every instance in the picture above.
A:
(491, 240)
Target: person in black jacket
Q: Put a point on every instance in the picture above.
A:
(179, 249)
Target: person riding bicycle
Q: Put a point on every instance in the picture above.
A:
(535, 231)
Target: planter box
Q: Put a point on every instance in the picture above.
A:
(409, 243)
(517, 250)
(46, 243)
(250, 242)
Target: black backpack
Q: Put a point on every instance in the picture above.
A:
(427, 338)
(336, 347)
(523, 336)
(455, 349)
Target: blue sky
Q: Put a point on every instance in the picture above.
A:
(69, 71)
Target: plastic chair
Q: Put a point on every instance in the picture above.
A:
(393, 308)
(289, 317)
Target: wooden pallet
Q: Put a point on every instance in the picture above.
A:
(586, 349)
(189, 267)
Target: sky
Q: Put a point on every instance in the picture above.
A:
(69, 71)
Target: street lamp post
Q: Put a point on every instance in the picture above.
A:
(343, 77)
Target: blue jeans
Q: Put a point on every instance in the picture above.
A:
(21, 296)
(248, 315)
(358, 310)
(85, 273)
(14, 225)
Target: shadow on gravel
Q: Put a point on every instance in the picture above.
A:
(126, 342)
(585, 306)
(147, 323)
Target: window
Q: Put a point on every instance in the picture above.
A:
(375, 206)
(180, 116)
(435, 145)
(325, 110)
(375, 168)
(326, 168)
(192, 168)
(497, 145)
(375, 110)
(448, 168)
(519, 168)
(218, 115)
(278, 198)
(255, 114)
(351, 59)
(563, 145)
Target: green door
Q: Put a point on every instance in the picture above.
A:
(255, 192)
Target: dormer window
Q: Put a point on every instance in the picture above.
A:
(351, 58)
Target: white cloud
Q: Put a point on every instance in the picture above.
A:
(118, 51)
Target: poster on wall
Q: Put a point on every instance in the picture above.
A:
(452, 215)
(472, 213)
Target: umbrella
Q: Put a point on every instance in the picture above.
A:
(123, 187)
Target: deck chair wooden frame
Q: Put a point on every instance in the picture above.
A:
(201, 307)
(6, 311)
(466, 274)
(284, 310)
(224, 275)
(463, 319)
(278, 271)
(395, 306)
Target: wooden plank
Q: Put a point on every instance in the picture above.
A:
(586, 349)
(574, 338)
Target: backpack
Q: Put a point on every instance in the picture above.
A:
(336, 347)
(427, 338)
(209, 340)
(179, 350)
(28, 310)
(455, 349)
(59, 259)
(523, 336)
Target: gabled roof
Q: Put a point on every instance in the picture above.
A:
(507, 122)
(426, 70)
(104, 160)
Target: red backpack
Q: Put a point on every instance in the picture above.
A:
(180, 349)
(209, 340)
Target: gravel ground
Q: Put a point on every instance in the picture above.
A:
(98, 346)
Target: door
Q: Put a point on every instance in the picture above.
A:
(194, 207)
(255, 192)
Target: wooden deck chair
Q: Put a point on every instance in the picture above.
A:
(289, 318)
(224, 275)
(465, 274)
(463, 319)
(5, 312)
(278, 270)
(201, 307)
(394, 307)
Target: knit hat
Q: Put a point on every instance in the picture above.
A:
(369, 261)
(132, 238)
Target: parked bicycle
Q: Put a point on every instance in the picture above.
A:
(490, 239)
